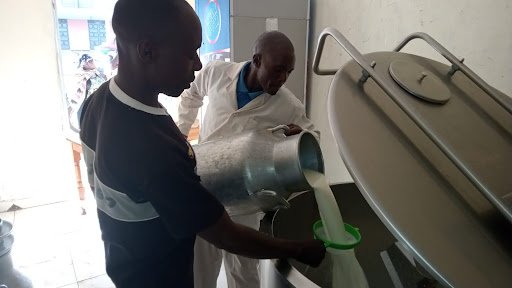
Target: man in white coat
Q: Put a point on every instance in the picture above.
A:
(242, 96)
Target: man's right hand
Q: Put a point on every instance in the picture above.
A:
(312, 253)
(242, 240)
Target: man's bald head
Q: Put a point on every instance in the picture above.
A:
(271, 42)
(273, 60)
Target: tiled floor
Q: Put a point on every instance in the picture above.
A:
(55, 246)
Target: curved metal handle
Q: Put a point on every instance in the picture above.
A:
(457, 65)
(284, 128)
(351, 50)
(392, 92)
(265, 197)
(320, 49)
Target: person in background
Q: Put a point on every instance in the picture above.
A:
(87, 79)
(151, 204)
(242, 97)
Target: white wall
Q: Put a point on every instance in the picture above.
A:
(479, 31)
(32, 147)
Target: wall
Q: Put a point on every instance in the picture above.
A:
(32, 146)
(478, 31)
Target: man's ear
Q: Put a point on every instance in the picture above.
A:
(256, 59)
(146, 51)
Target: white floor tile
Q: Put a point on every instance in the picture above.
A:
(33, 250)
(102, 281)
(49, 274)
(88, 258)
(74, 285)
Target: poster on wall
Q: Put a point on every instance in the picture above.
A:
(214, 16)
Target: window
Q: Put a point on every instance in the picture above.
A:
(63, 34)
(97, 33)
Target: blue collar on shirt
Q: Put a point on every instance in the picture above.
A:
(243, 96)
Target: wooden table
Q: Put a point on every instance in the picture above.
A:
(76, 148)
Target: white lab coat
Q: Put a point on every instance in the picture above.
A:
(218, 81)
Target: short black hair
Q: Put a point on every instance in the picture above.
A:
(134, 20)
(83, 59)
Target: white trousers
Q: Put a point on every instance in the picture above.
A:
(241, 272)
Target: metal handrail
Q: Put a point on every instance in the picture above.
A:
(391, 91)
(457, 65)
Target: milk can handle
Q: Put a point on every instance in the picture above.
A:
(283, 203)
(279, 201)
(285, 128)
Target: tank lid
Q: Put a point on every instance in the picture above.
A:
(419, 81)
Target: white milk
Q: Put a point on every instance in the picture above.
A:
(346, 271)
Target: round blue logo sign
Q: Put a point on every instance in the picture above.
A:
(212, 21)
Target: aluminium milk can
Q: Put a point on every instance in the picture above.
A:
(257, 170)
(9, 277)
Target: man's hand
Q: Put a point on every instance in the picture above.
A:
(294, 129)
(242, 240)
(312, 253)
